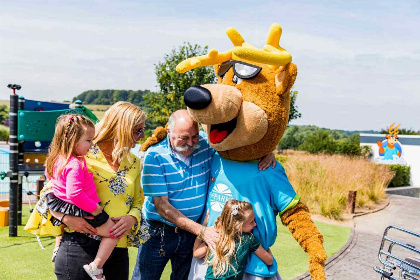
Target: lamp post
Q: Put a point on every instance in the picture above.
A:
(13, 160)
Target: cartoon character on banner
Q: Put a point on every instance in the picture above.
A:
(390, 148)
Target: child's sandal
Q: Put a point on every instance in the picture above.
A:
(94, 271)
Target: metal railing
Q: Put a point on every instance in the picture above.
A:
(28, 183)
(403, 263)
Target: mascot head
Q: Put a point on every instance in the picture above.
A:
(246, 113)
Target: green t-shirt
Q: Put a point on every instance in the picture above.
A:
(249, 243)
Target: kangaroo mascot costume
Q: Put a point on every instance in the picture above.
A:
(245, 115)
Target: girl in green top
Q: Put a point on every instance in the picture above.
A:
(236, 242)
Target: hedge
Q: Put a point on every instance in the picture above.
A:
(401, 177)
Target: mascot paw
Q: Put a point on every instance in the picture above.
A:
(317, 253)
(317, 271)
(317, 258)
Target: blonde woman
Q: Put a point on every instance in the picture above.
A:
(236, 242)
(116, 173)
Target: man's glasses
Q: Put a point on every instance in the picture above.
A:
(139, 132)
(241, 69)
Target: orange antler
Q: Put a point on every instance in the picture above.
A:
(212, 58)
(272, 54)
(393, 131)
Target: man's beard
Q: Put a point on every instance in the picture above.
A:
(186, 148)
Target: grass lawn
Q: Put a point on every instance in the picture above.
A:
(98, 110)
(22, 258)
(5, 102)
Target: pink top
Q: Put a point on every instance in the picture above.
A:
(75, 184)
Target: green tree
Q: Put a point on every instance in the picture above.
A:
(293, 113)
(320, 142)
(120, 95)
(173, 84)
(294, 136)
(110, 96)
(4, 113)
(349, 146)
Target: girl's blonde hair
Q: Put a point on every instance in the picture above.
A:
(117, 125)
(229, 225)
(68, 131)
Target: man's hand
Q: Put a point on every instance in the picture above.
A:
(266, 161)
(79, 224)
(210, 237)
(123, 225)
(173, 215)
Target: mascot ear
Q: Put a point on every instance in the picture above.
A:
(285, 78)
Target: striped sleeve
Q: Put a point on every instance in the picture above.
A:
(153, 180)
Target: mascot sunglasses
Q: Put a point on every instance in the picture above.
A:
(241, 69)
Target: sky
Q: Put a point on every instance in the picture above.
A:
(358, 61)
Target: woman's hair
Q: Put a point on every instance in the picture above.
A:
(117, 125)
(68, 131)
(229, 225)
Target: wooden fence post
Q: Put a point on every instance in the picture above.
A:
(351, 202)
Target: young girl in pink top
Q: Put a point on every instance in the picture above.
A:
(74, 191)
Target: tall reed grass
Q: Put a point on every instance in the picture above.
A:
(323, 181)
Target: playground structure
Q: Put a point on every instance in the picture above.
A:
(32, 126)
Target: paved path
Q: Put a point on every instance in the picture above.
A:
(358, 260)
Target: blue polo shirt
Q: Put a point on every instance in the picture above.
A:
(185, 185)
(269, 192)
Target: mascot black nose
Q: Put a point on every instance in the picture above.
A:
(197, 97)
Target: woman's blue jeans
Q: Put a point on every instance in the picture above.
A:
(164, 244)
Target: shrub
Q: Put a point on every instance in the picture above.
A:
(401, 177)
(345, 147)
(366, 151)
(4, 134)
(4, 113)
(323, 181)
(281, 159)
(350, 146)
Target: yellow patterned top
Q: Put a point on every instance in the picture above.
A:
(120, 194)
(119, 191)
